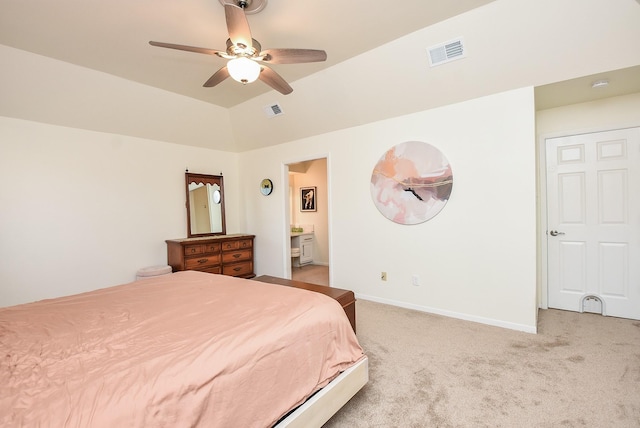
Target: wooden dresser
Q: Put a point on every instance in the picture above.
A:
(226, 254)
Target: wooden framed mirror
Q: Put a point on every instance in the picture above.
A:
(205, 205)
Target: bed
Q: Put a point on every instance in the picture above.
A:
(186, 349)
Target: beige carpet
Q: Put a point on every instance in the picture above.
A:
(580, 370)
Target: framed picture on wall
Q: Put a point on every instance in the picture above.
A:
(308, 198)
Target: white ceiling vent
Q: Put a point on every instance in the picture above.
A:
(273, 110)
(446, 52)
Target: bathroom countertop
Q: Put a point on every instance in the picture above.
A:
(294, 234)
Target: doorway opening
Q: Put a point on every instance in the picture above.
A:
(309, 221)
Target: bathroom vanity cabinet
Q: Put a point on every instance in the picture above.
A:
(304, 242)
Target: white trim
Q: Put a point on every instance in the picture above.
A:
(451, 314)
(542, 294)
(590, 130)
(286, 218)
(329, 217)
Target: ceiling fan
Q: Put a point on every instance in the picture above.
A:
(247, 61)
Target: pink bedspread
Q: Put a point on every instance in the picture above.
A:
(181, 350)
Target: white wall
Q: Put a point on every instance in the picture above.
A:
(509, 44)
(42, 89)
(476, 259)
(601, 115)
(82, 210)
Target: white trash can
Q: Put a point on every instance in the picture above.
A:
(151, 271)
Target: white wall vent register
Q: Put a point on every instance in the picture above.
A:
(446, 52)
(273, 110)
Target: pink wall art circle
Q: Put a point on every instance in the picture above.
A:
(411, 182)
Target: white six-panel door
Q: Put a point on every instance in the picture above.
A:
(593, 221)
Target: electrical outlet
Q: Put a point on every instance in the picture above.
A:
(415, 280)
(383, 276)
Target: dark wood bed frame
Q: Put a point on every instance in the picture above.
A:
(345, 297)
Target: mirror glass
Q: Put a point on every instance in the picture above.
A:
(205, 205)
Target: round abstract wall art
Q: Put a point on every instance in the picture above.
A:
(411, 182)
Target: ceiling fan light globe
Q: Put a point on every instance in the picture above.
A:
(243, 70)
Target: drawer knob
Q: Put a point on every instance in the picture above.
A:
(237, 269)
(235, 256)
(202, 261)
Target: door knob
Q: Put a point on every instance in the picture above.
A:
(555, 233)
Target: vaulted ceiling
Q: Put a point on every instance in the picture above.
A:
(112, 36)
(377, 65)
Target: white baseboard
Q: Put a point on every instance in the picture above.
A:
(451, 314)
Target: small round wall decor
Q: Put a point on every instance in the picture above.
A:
(411, 182)
(266, 187)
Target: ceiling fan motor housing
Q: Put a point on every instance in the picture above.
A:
(242, 50)
(249, 6)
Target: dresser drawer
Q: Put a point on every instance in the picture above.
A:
(212, 248)
(237, 245)
(211, 269)
(197, 263)
(237, 256)
(192, 250)
(238, 269)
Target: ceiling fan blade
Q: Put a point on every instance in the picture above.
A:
(186, 48)
(237, 25)
(274, 80)
(293, 56)
(217, 77)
